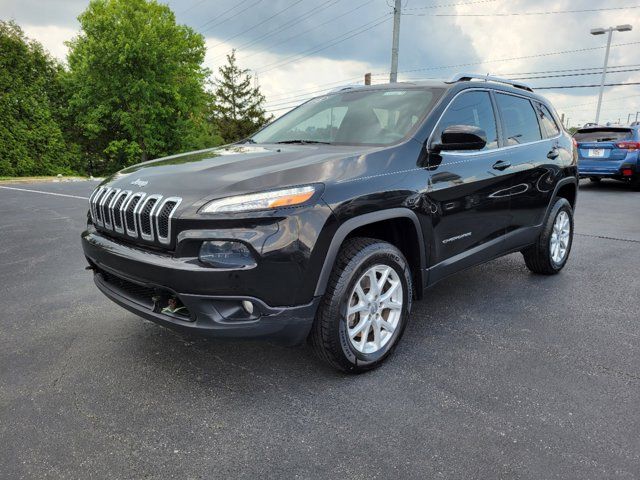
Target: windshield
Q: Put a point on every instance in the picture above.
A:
(602, 134)
(370, 117)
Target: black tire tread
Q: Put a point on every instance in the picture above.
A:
(536, 257)
(320, 338)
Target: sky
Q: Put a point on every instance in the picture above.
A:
(301, 48)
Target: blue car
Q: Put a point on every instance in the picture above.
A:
(609, 152)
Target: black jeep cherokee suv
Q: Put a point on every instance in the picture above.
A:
(327, 223)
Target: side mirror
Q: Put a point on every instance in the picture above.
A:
(461, 137)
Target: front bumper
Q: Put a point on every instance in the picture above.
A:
(143, 281)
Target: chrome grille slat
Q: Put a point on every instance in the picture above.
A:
(116, 210)
(146, 211)
(108, 203)
(167, 208)
(137, 215)
(130, 217)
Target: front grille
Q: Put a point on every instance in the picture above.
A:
(139, 293)
(158, 299)
(135, 215)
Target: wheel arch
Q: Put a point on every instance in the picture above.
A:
(370, 225)
(566, 188)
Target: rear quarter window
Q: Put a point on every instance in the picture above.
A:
(603, 134)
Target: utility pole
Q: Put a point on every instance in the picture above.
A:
(602, 31)
(395, 47)
(637, 116)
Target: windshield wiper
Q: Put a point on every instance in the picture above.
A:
(302, 142)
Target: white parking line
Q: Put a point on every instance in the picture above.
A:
(45, 193)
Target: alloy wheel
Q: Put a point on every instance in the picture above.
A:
(374, 309)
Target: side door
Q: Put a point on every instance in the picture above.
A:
(531, 138)
(470, 215)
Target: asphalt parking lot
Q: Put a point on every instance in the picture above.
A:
(501, 373)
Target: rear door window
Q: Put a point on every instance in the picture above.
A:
(519, 120)
(603, 134)
(548, 125)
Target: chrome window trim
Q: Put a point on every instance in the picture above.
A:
(140, 207)
(166, 240)
(109, 225)
(134, 232)
(126, 194)
(484, 152)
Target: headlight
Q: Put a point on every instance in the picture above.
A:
(287, 197)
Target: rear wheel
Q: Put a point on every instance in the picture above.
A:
(365, 308)
(550, 253)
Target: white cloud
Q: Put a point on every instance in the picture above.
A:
(52, 37)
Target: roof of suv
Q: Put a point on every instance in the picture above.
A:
(460, 80)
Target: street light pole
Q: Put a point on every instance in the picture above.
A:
(602, 31)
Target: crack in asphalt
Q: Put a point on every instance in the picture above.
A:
(603, 237)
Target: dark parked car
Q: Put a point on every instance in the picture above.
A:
(329, 222)
(609, 152)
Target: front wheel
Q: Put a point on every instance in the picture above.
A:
(365, 308)
(550, 253)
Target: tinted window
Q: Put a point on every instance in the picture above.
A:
(471, 108)
(519, 119)
(357, 117)
(547, 123)
(603, 134)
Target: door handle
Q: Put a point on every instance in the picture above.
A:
(554, 153)
(501, 165)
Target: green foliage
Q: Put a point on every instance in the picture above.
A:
(31, 138)
(137, 87)
(239, 108)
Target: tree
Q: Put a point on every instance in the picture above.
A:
(238, 109)
(31, 139)
(136, 83)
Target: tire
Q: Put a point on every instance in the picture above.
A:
(539, 257)
(594, 179)
(331, 332)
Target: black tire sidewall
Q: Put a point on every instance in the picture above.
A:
(376, 254)
(561, 205)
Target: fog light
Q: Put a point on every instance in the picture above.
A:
(223, 254)
(248, 306)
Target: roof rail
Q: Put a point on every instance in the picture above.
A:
(344, 88)
(462, 77)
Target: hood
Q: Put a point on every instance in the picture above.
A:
(238, 169)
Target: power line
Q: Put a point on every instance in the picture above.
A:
(520, 14)
(287, 25)
(229, 18)
(332, 19)
(576, 74)
(290, 100)
(449, 5)
(306, 53)
(258, 24)
(524, 57)
(191, 7)
(560, 87)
